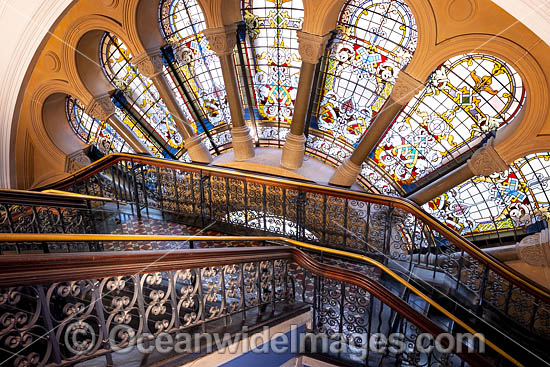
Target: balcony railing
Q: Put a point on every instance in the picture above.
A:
(48, 300)
(388, 228)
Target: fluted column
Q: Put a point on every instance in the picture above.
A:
(403, 91)
(102, 108)
(484, 162)
(222, 41)
(151, 65)
(311, 48)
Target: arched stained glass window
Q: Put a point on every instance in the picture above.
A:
(92, 131)
(374, 40)
(324, 148)
(195, 71)
(273, 60)
(466, 98)
(144, 111)
(500, 202)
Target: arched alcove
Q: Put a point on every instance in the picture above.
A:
(54, 116)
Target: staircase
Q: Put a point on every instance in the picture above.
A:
(141, 194)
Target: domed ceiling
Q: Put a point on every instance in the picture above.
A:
(464, 102)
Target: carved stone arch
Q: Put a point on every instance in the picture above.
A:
(321, 16)
(425, 19)
(48, 143)
(534, 113)
(219, 13)
(72, 40)
(141, 22)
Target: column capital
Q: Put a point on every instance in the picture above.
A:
(222, 40)
(101, 107)
(149, 63)
(311, 46)
(405, 88)
(535, 249)
(486, 160)
(77, 160)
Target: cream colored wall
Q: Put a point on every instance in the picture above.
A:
(23, 26)
(446, 28)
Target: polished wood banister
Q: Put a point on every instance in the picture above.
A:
(394, 202)
(48, 198)
(49, 268)
(26, 270)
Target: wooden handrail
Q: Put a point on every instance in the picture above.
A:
(50, 268)
(393, 202)
(125, 263)
(48, 198)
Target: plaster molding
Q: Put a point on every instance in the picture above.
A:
(75, 32)
(535, 249)
(149, 63)
(486, 160)
(77, 160)
(311, 46)
(101, 107)
(39, 97)
(405, 88)
(222, 40)
(35, 20)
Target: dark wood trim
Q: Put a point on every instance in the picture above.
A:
(18, 270)
(513, 276)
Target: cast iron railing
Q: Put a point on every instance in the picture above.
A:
(49, 300)
(48, 212)
(390, 228)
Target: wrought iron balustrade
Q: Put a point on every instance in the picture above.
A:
(48, 212)
(48, 300)
(392, 229)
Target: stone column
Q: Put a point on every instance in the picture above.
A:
(403, 91)
(484, 162)
(102, 108)
(311, 48)
(151, 65)
(222, 41)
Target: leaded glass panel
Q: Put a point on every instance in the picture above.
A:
(465, 99)
(272, 54)
(142, 97)
(92, 131)
(374, 40)
(198, 68)
(502, 201)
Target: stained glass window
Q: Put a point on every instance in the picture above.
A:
(465, 99)
(146, 113)
(92, 131)
(374, 40)
(500, 202)
(273, 60)
(334, 152)
(195, 71)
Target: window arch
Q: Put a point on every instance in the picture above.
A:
(515, 198)
(139, 104)
(273, 62)
(92, 131)
(194, 72)
(374, 40)
(466, 98)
